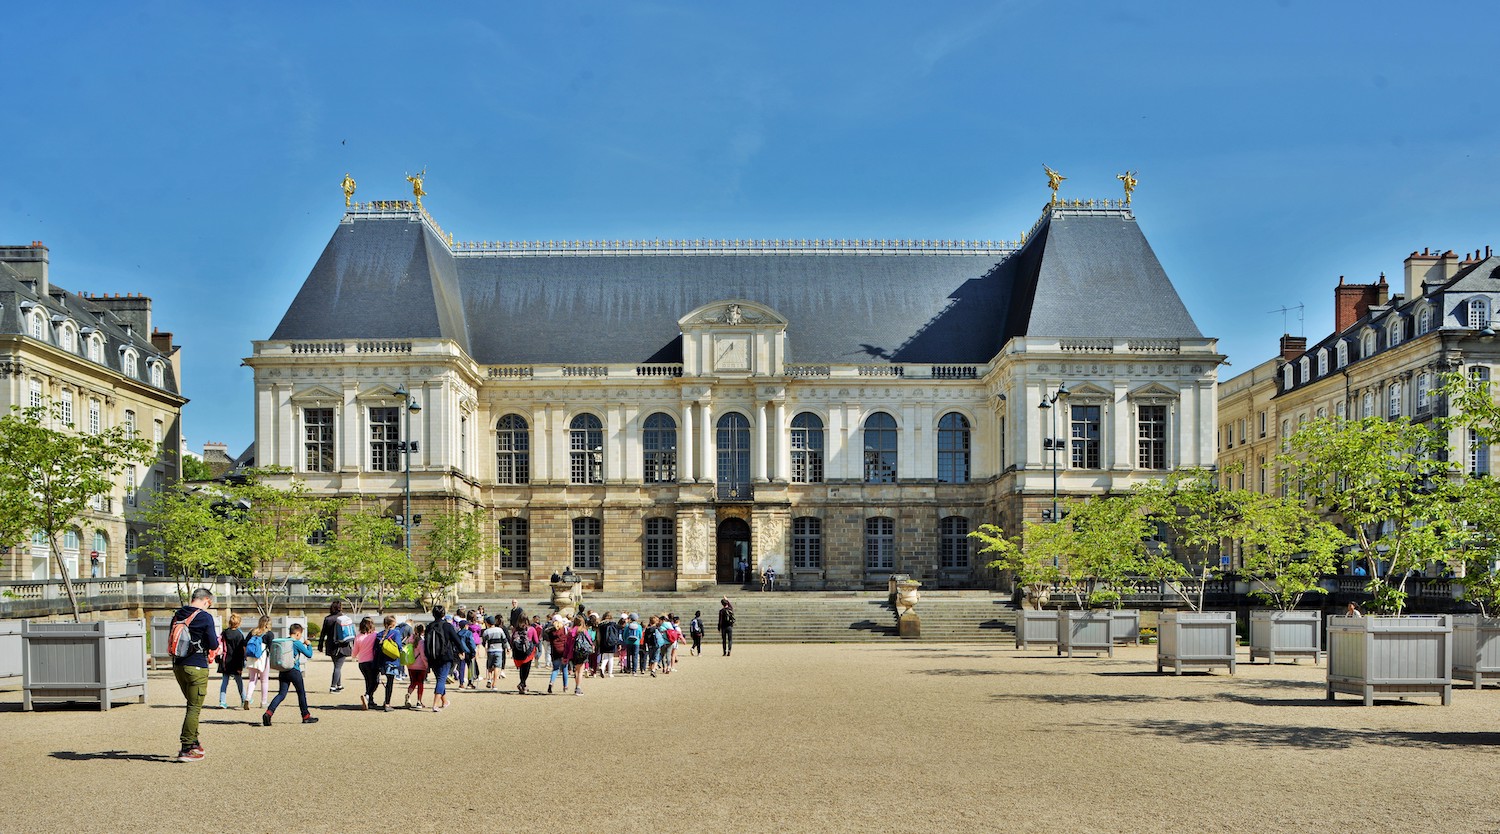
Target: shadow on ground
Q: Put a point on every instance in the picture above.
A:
(110, 756)
(1268, 736)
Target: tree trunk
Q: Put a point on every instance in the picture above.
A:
(67, 580)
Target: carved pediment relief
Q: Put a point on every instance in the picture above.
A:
(381, 393)
(1089, 391)
(316, 395)
(735, 313)
(1154, 391)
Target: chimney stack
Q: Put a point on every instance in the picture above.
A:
(133, 310)
(30, 262)
(1293, 346)
(1352, 301)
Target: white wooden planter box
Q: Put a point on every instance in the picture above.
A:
(1398, 657)
(161, 630)
(1127, 628)
(96, 662)
(1476, 649)
(1085, 631)
(1195, 638)
(1286, 633)
(10, 652)
(1036, 627)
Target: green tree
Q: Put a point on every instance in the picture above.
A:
(269, 528)
(365, 560)
(1109, 545)
(194, 469)
(1385, 481)
(187, 528)
(1032, 558)
(455, 547)
(1201, 517)
(1287, 550)
(1476, 556)
(50, 477)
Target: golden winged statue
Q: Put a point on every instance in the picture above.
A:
(348, 185)
(1054, 179)
(1129, 179)
(416, 186)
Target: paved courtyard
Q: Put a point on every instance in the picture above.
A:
(787, 738)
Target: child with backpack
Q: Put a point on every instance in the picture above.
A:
(523, 640)
(695, 630)
(560, 641)
(286, 658)
(232, 660)
(364, 655)
(441, 644)
(583, 642)
(258, 662)
(418, 668)
(495, 640)
(388, 644)
(633, 645)
(609, 643)
(651, 638)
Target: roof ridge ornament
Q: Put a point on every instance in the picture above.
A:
(1129, 180)
(1054, 180)
(416, 185)
(348, 186)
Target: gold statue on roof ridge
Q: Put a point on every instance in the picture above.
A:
(1054, 179)
(348, 186)
(416, 186)
(1128, 178)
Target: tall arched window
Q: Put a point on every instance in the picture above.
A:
(734, 456)
(586, 443)
(1369, 346)
(129, 365)
(1367, 404)
(99, 555)
(661, 543)
(1424, 320)
(588, 540)
(659, 448)
(807, 449)
(880, 448)
(807, 543)
(67, 408)
(512, 450)
(880, 544)
(954, 542)
(70, 551)
(953, 449)
(1393, 333)
(158, 378)
(515, 543)
(1322, 363)
(1343, 354)
(67, 338)
(1393, 400)
(1479, 313)
(96, 348)
(38, 325)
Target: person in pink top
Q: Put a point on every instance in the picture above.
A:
(418, 668)
(364, 655)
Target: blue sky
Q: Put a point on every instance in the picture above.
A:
(193, 151)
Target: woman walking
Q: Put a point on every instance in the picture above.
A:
(523, 641)
(364, 655)
(336, 640)
(561, 641)
(583, 642)
(696, 629)
(258, 662)
(418, 668)
(232, 661)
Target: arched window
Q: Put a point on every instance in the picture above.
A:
(515, 543)
(1343, 354)
(67, 338)
(1393, 400)
(954, 542)
(807, 543)
(1424, 320)
(586, 443)
(158, 378)
(1423, 386)
(880, 544)
(659, 448)
(880, 448)
(94, 417)
(129, 365)
(1393, 333)
(1479, 313)
(1367, 404)
(953, 449)
(1304, 368)
(512, 450)
(661, 543)
(1369, 346)
(807, 449)
(1339, 409)
(588, 539)
(38, 325)
(96, 349)
(734, 456)
(99, 555)
(1322, 413)
(1286, 377)
(1322, 363)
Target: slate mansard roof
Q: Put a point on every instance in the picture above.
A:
(1082, 273)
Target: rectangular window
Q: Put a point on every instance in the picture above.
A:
(1242, 431)
(463, 444)
(130, 484)
(807, 543)
(67, 408)
(587, 543)
(954, 542)
(1479, 455)
(1151, 436)
(1262, 424)
(36, 393)
(157, 433)
(880, 544)
(1085, 439)
(130, 423)
(1262, 468)
(661, 544)
(94, 427)
(385, 439)
(515, 544)
(317, 428)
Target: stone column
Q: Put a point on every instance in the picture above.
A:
(685, 442)
(758, 451)
(781, 464)
(709, 468)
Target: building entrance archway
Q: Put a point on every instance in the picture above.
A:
(733, 542)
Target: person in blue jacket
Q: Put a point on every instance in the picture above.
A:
(292, 677)
(191, 670)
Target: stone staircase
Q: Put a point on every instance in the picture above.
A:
(811, 617)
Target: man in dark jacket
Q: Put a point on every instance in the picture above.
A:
(726, 625)
(441, 647)
(191, 671)
(330, 644)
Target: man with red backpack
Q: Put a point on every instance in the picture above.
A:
(192, 642)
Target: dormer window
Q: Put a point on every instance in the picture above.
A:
(38, 325)
(1343, 354)
(128, 363)
(1323, 363)
(1369, 346)
(1393, 334)
(156, 373)
(67, 338)
(1479, 313)
(1286, 377)
(1424, 320)
(96, 348)
(1305, 368)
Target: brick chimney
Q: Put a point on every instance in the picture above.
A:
(1352, 301)
(30, 262)
(162, 342)
(1293, 346)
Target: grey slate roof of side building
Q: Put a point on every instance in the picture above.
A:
(1078, 275)
(85, 314)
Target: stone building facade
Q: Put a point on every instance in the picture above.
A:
(647, 412)
(100, 359)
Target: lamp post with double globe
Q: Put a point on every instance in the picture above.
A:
(406, 446)
(1050, 404)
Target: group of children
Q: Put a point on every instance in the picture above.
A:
(449, 650)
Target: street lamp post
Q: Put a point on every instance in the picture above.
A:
(1054, 443)
(406, 446)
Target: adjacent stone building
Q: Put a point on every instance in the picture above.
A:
(646, 412)
(100, 359)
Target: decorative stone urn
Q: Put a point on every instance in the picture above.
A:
(908, 624)
(567, 594)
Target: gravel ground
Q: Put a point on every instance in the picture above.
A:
(789, 738)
